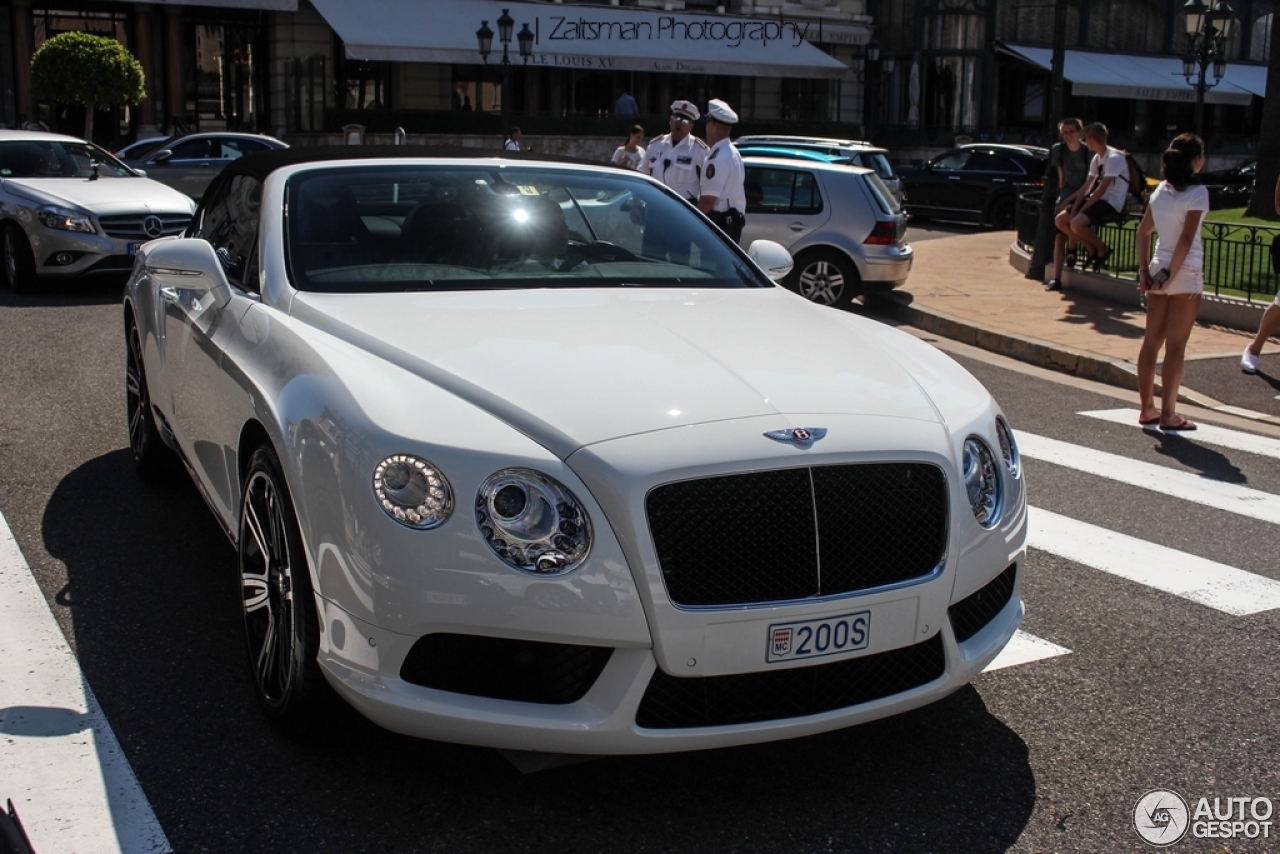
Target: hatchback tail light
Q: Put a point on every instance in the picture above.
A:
(884, 234)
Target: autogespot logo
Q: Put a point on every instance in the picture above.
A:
(1161, 817)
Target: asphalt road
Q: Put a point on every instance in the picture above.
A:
(1157, 691)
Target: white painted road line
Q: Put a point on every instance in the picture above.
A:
(1217, 585)
(1024, 648)
(60, 762)
(1175, 484)
(1208, 434)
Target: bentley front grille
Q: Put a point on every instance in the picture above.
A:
(671, 703)
(776, 536)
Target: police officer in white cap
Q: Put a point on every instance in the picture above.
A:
(676, 159)
(723, 196)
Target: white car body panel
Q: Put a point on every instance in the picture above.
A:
(610, 391)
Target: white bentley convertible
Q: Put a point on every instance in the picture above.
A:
(524, 452)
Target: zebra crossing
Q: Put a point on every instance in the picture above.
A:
(1168, 571)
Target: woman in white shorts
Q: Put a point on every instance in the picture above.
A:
(1268, 326)
(1174, 279)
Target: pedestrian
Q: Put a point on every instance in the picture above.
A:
(722, 193)
(1268, 326)
(1108, 184)
(625, 106)
(1070, 157)
(676, 159)
(630, 154)
(513, 140)
(1173, 280)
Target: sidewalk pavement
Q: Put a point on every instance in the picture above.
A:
(965, 287)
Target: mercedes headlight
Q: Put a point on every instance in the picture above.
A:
(982, 482)
(532, 522)
(1008, 449)
(65, 220)
(412, 491)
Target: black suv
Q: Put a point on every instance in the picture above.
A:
(979, 182)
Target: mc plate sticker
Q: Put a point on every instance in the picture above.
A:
(816, 638)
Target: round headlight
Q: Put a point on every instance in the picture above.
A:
(982, 482)
(412, 491)
(532, 522)
(1008, 449)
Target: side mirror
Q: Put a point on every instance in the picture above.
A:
(186, 269)
(160, 156)
(771, 257)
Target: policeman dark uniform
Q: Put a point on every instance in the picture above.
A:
(723, 195)
(676, 159)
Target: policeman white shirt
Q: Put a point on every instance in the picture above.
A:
(678, 165)
(512, 145)
(724, 177)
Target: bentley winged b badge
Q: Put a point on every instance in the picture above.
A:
(802, 437)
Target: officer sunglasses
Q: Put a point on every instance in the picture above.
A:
(684, 120)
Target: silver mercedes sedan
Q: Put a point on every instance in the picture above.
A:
(68, 209)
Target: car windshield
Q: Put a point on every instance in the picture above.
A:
(57, 159)
(451, 227)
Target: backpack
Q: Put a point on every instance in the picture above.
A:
(1135, 177)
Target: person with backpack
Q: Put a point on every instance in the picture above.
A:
(1172, 280)
(1070, 158)
(1108, 185)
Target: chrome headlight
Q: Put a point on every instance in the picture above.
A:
(532, 522)
(982, 482)
(412, 491)
(65, 220)
(1008, 449)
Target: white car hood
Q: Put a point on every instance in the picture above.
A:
(574, 367)
(104, 196)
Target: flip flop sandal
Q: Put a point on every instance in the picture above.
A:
(1182, 425)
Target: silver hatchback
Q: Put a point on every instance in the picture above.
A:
(842, 226)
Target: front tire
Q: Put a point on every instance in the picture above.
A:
(152, 458)
(1003, 214)
(825, 277)
(281, 626)
(19, 261)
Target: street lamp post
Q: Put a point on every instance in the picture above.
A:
(484, 40)
(1207, 32)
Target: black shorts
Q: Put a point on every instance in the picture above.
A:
(1099, 211)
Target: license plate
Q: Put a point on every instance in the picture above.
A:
(816, 638)
(133, 249)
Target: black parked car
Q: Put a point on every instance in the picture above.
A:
(1230, 188)
(979, 182)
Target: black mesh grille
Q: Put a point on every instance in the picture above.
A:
(760, 537)
(671, 703)
(528, 671)
(970, 614)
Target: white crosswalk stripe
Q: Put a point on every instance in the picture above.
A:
(1024, 648)
(1169, 482)
(1208, 434)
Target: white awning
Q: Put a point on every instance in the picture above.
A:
(1140, 78)
(267, 5)
(599, 38)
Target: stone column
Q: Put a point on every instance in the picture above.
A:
(175, 104)
(22, 50)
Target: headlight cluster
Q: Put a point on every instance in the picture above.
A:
(1008, 449)
(982, 482)
(412, 491)
(65, 220)
(532, 522)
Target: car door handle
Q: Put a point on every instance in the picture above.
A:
(798, 226)
(169, 295)
(953, 177)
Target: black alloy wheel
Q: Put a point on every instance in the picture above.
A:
(152, 458)
(1003, 214)
(825, 277)
(19, 262)
(280, 621)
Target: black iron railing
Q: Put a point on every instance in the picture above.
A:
(1237, 256)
